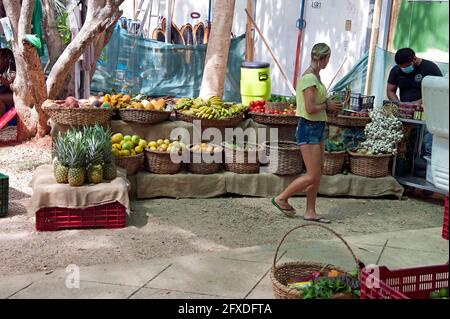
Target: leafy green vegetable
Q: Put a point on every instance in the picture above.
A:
(334, 146)
(326, 288)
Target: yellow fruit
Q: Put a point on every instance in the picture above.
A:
(149, 106)
(164, 147)
(160, 142)
(127, 138)
(116, 152)
(167, 142)
(133, 153)
(116, 138)
(125, 153)
(127, 146)
(138, 149)
(153, 144)
(135, 139)
(153, 148)
(142, 143)
(117, 146)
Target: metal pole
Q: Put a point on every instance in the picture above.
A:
(301, 24)
(168, 21)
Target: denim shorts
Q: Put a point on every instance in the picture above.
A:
(310, 132)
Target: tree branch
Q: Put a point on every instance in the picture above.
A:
(55, 44)
(26, 14)
(12, 9)
(98, 17)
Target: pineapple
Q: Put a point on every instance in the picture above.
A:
(109, 166)
(61, 165)
(76, 152)
(95, 141)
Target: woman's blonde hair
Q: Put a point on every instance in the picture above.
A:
(320, 51)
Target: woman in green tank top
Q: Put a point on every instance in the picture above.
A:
(312, 104)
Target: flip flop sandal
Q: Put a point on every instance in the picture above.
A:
(287, 212)
(317, 220)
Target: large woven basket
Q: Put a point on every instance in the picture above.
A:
(284, 158)
(277, 106)
(349, 121)
(203, 168)
(160, 163)
(76, 116)
(274, 119)
(281, 274)
(373, 166)
(333, 163)
(240, 161)
(230, 122)
(131, 163)
(143, 116)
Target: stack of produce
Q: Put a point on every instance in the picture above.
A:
(213, 108)
(283, 99)
(333, 285)
(84, 156)
(206, 148)
(166, 146)
(72, 103)
(124, 146)
(382, 134)
(334, 158)
(138, 102)
(259, 107)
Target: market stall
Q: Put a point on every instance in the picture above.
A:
(141, 149)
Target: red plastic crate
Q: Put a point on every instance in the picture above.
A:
(111, 215)
(445, 225)
(411, 283)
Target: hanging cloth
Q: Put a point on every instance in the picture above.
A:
(36, 21)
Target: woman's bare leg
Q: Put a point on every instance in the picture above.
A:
(311, 193)
(312, 156)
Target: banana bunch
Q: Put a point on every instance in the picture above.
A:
(213, 108)
(184, 104)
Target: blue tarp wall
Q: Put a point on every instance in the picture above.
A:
(137, 65)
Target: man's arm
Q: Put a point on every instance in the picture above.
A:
(392, 93)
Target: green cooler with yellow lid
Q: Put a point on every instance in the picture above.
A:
(255, 81)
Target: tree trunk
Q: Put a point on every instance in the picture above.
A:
(102, 40)
(101, 14)
(213, 82)
(29, 84)
(55, 43)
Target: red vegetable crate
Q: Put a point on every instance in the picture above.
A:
(111, 215)
(445, 225)
(412, 283)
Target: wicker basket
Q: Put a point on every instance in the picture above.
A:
(143, 116)
(250, 161)
(277, 106)
(284, 158)
(333, 163)
(131, 163)
(160, 163)
(274, 119)
(345, 120)
(230, 122)
(76, 116)
(281, 274)
(203, 168)
(374, 166)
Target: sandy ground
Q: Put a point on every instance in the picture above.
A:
(169, 227)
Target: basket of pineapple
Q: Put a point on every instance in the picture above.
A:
(84, 156)
(128, 151)
(139, 108)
